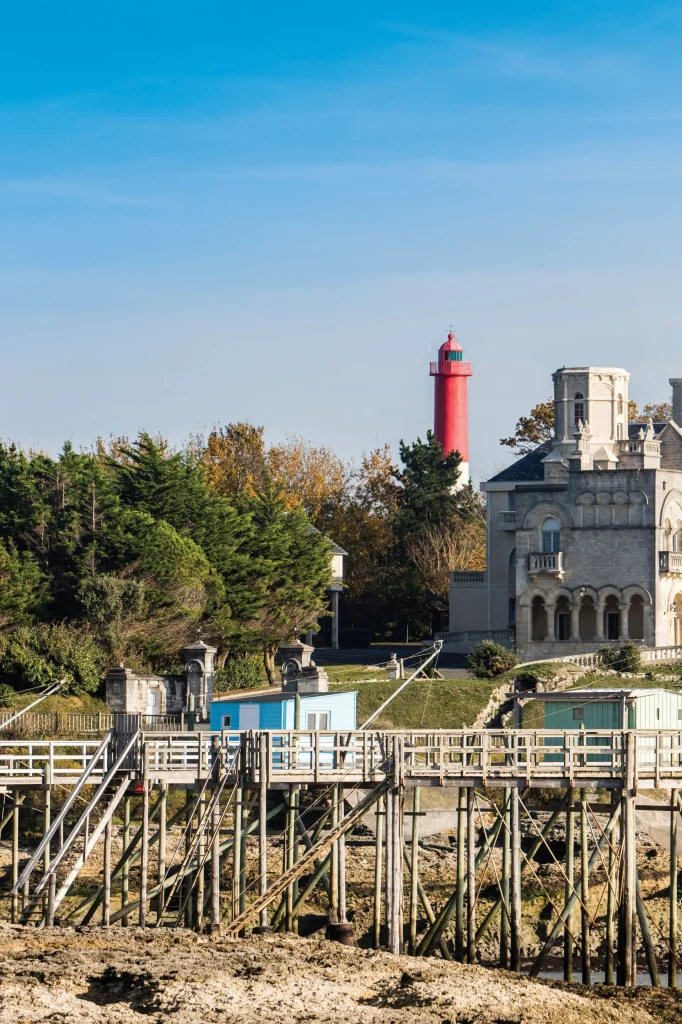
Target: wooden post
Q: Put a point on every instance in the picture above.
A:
(51, 891)
(389, 864)
(15, 855)
(215, 869)
(610, 905)
(515, 886)
(125, 868)
(672, 954)
(189, 826)
(396, 917)
(262, 825)
(399, 864)
(378, 864)
(163, 818)
(47, 810)
(237, 850)
(569, 884)
(144, 855)
(242, 859)
(290, 838)
(459, 908)
(506, 857)
(342, 861)
(106, 875)
(199, 894)
(627, 966)
(414, 872)
(334, 895)
(584, 890)
(471, 876)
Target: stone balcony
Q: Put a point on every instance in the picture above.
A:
(506, 520)
(546, 563)
(670, 562)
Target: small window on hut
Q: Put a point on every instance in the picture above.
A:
(227, 721)
(317, 721)
(679, 714)
(578, 714)
(658, 712)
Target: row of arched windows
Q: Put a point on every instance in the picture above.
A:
(587, 618)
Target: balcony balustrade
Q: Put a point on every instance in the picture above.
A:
(506, 520)
(670, 562)
(549, 563)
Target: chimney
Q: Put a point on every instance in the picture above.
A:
(676, 384)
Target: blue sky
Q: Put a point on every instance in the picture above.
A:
(273, 212)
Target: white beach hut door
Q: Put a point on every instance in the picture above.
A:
(152, 702)
(249, 716)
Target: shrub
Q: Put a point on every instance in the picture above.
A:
(626, 658)
(489, 659)
(7, 696)
(240, 672)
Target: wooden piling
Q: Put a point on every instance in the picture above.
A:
(569, 883)
(15, 856)
(242, 859)
(515, 883)
(199, 893)
(262, 825)
(334, 880)
(289, 840)
(106, 875)
(459, 891)
(584, 891)
(378, 866)
(471, 876)
(611, 895)
(125, 867)
(395, 901)
(215, 869)
(144, 855)
(414, 870)
(163, 821)
(506, 859)
(628, 888)
(672, 924)
(189, 829)
(342, 861)
(51, 892)
(237, 850)
(47, 811)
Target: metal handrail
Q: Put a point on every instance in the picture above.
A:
(57, 823)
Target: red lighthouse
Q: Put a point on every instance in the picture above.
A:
(451, 415)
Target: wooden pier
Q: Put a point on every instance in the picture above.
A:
(305, 792)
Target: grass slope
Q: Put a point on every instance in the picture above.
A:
(424, 704)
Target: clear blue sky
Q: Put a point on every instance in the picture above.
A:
(271, 212)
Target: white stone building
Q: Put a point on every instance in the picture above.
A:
(584, 533)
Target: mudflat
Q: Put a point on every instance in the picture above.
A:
(93, 976)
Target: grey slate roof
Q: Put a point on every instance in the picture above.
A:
(528, 467)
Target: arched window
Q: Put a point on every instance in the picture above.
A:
(512, 559)
(620, 405)
(677, 536)
(551, 536)
(578, 408)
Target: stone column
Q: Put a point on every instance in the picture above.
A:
(623, 608)
(575, 622)
(550, 611)
(599, 634)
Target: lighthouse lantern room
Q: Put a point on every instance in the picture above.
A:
(451, 415)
